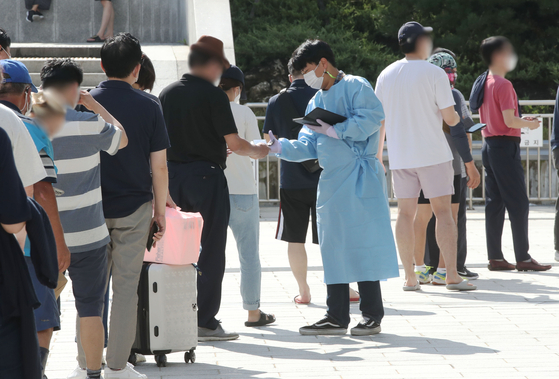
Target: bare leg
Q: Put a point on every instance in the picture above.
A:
(108, 12)
(92, 336)
(111, 26)
(35, 8)
(44, 337)
(298, 262)
(447, 234)
(455, 208)
(405, 237)
(422, 218)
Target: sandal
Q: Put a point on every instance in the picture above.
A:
(417, 287)
(265, 319)
(297, 300)
(95, 38)
(462, 286)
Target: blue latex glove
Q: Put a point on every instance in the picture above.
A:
(274, 144)
(324, 128)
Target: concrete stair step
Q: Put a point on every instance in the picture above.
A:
(89, 79)
(55, 50)
(90, 65)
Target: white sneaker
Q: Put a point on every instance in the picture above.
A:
(140, 358)
(126, 373)
(78, 373)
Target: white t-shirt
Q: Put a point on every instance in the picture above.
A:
(239, 171)
(28, 162)
(412, 94)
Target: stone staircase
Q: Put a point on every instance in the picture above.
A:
(34, 56)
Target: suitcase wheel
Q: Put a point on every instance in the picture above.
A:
(132, 359)
(190, 356)
(161, 360)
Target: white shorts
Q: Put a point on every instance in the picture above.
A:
(435, 181)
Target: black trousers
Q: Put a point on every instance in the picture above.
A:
(432, 251)
(370, 305)
(505, 188)
(556, 228)
(201, 187)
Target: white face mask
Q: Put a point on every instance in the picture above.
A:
(217, 81)
(238, 98)
(314, 81)
(512, 60)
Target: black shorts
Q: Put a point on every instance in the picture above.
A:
(295, 207)
(455, 199)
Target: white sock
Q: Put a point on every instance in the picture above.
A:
(441, 270)
(420, 268)
(529, 260)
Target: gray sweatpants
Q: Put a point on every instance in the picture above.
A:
(125, 257)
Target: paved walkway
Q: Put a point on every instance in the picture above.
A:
(509, 328)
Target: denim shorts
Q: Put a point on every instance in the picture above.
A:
(88, 271)
(47, 315)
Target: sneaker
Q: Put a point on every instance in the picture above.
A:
(324, 327)
(78, 373)
(439, 279)
(423, 277)
(29, 17)
(140, 358)
(38, 15)
(467, 274)
(126, 373)
(366, 327)
(557, 255)
(219, 334)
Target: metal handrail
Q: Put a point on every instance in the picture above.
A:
(542, 187)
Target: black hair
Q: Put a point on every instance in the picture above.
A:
(312, 51)
(408, 47)
(146, 78)
(491, 45)
(227, 83)
(291, 70)
(59, 72)
(198, 58)
(13, 88)
(5, 40)
(443, 50)
(120, 55)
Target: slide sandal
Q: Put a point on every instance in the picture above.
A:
(462, 286)
(265, 319)
(95, 38)
(417, 287)
(297, 300)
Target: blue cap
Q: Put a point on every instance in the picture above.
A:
(16, 72)
(410, 31)
(235, 73)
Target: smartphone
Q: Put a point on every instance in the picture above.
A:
(476, 127)
(154, 229)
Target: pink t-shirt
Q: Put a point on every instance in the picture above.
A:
(499, 96)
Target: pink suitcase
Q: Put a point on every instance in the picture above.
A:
(181, 243)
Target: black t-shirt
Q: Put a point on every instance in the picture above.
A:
(126, 181)
(198, 116)
(293, 175)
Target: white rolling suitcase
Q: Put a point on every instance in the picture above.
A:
(167, 312)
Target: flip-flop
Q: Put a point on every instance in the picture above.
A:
(462, 286)
(95, 38)
(265, 319)
(355, 299)
(298, 301)
(417, 287)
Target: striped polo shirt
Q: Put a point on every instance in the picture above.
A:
(76, 155)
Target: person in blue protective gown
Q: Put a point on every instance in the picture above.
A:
(355, 234)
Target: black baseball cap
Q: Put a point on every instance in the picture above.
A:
(235, 73)
(411, 30)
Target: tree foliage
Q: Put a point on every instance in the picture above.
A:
(363, 34)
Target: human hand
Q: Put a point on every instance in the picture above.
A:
(274, 144)
(229, 152)
(161, 223)
(473, 175)
(322, 129)
(260, 151)
(534, 123)
(169, 203)
(87, 100)
(63, 254)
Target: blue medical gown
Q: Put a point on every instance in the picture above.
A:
(355, 234)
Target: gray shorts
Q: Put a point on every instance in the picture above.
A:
(435, 181)
(88, 271)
